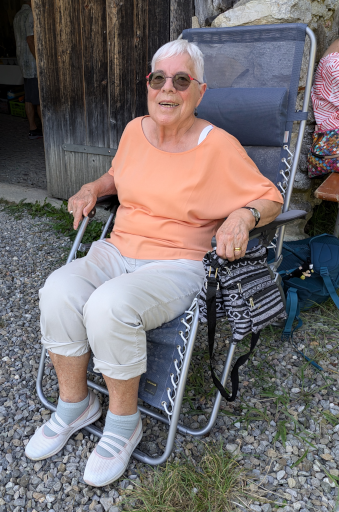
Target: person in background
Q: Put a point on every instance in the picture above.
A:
(25, 52)
(325, 91)
(323, 156)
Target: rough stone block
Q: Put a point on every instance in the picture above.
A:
(265, 12)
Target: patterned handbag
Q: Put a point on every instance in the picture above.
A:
(323, 157)
(246, 293)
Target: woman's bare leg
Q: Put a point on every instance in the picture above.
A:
(72, 376)
(123, 395)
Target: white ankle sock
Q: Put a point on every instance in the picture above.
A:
(121, 425)
(68, 412)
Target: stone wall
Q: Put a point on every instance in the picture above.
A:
(322, 16)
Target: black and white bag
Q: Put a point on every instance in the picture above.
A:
(245, 292)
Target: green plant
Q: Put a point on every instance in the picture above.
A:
(60, 218)
(214, 486)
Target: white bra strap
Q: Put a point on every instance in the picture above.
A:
(204, 133)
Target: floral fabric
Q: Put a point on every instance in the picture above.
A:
(324, 145)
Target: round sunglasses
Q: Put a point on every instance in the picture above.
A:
(181, 81)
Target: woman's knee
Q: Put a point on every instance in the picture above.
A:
(109, 309)
(54, 293)
(61, 305)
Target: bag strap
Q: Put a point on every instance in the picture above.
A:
(212, 286)
(293, 311)
(329, 285)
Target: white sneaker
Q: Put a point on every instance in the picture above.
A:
(101, 471)
(41, 446)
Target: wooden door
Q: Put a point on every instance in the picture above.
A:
(92, 59)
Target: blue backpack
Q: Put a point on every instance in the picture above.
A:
(301, 294)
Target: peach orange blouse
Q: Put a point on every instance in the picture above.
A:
(171, 204)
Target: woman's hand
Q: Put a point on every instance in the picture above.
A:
(82, 203)
(232, 236)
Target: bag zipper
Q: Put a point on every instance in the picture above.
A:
(263, 273)
(260, 295)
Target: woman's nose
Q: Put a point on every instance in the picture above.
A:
(168, 85)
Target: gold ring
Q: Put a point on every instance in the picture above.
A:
(237, 248)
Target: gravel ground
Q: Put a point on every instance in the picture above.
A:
(285, 408)
(22, 159)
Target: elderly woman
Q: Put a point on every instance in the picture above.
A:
(177, 178)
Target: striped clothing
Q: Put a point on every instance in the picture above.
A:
(325, 93)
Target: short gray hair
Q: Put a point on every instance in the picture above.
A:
(180, 47)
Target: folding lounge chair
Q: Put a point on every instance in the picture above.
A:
(252, 74)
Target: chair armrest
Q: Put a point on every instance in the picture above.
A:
(281, 220)
(108, 201)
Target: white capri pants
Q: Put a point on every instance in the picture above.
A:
(106, 302)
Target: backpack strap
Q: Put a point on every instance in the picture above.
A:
(293, 311)
(212, 286)
(329, 285)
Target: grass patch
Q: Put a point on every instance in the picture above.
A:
(323, 219)
(61, 220)
(215, 486)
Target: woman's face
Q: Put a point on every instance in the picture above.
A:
(180, 104)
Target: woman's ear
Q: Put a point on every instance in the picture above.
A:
(203, 88)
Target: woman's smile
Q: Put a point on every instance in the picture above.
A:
(168, 104)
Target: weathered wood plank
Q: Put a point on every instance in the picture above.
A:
(50, 96)
(180, 17)
(95, 71)
(121, 59)
(141, 31)
(158, 26)
(98, 165)
(59, 63)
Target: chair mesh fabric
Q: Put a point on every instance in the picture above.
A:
(265, 56)
(255, 116)
(162, 351)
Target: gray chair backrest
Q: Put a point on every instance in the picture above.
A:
(252, 75)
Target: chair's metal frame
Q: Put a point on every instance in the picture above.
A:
(265, 234)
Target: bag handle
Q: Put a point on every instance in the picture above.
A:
(212, 286)
(329, 285)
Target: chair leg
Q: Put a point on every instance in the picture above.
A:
(108, 223)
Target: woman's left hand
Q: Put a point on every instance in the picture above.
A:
(232, 236)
